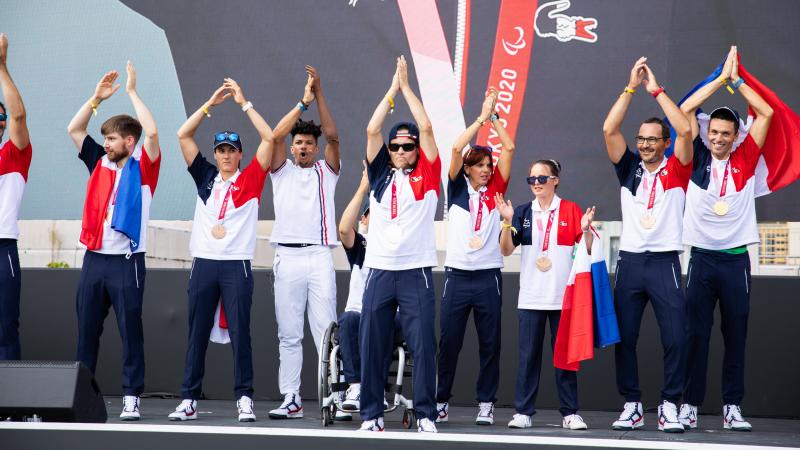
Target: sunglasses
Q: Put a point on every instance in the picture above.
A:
(226, 136)
(3, 117)
(407, 147)
(542, 179)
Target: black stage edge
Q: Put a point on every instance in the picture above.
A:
(217, 428)
(48, 329)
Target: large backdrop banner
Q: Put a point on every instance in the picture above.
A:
(558, 66)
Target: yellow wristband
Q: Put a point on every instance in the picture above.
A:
(507, 225)
(205, 111)
(390, 100)
(94, 107)
(629, 91)
(725, 83)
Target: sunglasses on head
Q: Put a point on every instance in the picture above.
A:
(542, 179)
(226, 136)
(407, 147)
(3, 117)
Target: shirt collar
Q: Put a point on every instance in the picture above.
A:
(218, 178)
(471, 190)
(660, 166)
(553, 204)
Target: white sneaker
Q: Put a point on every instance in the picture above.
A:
(372, 425)
(485, 413)
(574, 422)
(442, 412)
(688, 416)
(245, 407)
(631, 418)
(732, 419)
(520, 421)
(186, 410)
(342, 416)
(130, 408)
(291, 408)
(352, 400)
(668, 418)
(426, 426)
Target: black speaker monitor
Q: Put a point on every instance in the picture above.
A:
(56, 391)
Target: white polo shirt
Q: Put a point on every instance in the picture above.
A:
(304, 204)
(358, 273)
(407, 240)
(243, 191)
(702, 227)
(636, 183)
(537, 289)
(464, 205)
(14, 165)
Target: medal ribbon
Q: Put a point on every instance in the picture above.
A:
(546, 242)
(224, 204)
(394, 198)
(724, 187)
(479, 217)
(652, 200)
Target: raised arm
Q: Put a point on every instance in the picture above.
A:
(144, 116)
(612, 127)
(457, 159)
(332, 156)
(426, 138)
(764, 112)
(507, 152)
(351, 214)
(689, 107)
(264, 151)
(375, 125)
(15, 109)
(187, 130)
(77, 126)
(284, 126)
(680, 123)
(507, 213)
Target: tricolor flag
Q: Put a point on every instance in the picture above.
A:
(779, 163)
(588, 319)
(127, 218)
(219, 332)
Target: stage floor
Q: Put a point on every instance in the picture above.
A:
(216, 425)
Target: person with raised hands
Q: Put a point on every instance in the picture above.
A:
(15, 160)
(653, 194)
(719, 223)
(304, 236)
(222, 245)
(122, 181)
(547, 228)
(404, 189)
(473, 281)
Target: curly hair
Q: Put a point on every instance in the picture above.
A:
(303, 127)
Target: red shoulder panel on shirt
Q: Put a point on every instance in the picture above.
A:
(12, 159)
(250, 184)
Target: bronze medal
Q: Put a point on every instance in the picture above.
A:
(543, 263)
(475, 242)
(721, 208)
(648, 221)
(218, 231)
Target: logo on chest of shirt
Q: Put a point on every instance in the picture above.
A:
(526, 223)
(664, 172)
(235, 188)
(562, 223)
(735, 170)
(639, 172)
(416, 179)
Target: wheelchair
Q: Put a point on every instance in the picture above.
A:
(332, 384)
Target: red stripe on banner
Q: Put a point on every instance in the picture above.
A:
(510, 63)
(465, 52)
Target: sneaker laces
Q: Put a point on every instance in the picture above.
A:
(185, 405)
(353, 393)
(245, 404)
(426, 424)
(686, 410)
(734, 414)
(669, 411)
(486, 409)
(629, 410)
(130, 403)
(574, 418)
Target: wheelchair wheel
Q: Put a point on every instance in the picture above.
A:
(326, 417)
(323, 370)
(409, 419)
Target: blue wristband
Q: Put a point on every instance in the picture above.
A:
(302, 107)
(737, 83)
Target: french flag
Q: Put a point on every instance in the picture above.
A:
(588, 319)
(219, 332)
(779, 163)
